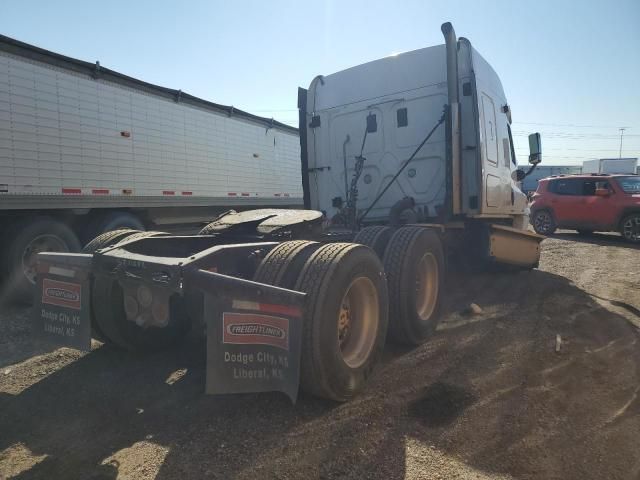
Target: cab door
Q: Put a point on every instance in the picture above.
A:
(493, 187)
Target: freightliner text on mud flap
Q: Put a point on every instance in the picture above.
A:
(254, 333)
(61, 311)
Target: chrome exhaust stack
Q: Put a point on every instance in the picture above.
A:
(454, 181)
(452, 61)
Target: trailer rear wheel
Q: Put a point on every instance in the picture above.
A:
(282, 265)
(414, 263)
(346, 319)
(376, 237)
(24, 241)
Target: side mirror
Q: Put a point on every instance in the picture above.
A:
(535, 149)
(602, 192)
(520, 174)
(372, 123)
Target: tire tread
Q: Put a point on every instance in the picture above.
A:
(279, 262)
(376, 237)
(312, 280)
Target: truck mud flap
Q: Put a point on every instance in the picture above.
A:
(513, 246)
(254, 334)
(62, 303)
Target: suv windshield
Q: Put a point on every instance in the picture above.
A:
(629, 184)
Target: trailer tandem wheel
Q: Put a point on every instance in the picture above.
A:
(414, 264)
(24, 240)
(345, 322)
(376, 237)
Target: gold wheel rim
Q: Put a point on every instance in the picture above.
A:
(358, 320)
(426, 286)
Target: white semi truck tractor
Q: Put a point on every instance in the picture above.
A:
(407, 162)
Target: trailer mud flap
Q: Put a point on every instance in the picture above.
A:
(61, 308)
(254, 333)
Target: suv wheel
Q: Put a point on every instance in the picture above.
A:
(543, 222)
(630, 228)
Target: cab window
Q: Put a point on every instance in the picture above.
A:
(513, 151)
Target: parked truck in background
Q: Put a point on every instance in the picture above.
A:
(611, 165)
(530, 183)
(408, 168)
(84, 149)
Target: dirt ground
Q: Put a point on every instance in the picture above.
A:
(487, 397)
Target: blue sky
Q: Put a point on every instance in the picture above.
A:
(570, 69)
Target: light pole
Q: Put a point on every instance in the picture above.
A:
(622, 129)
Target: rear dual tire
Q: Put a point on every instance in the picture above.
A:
(414, 264)
(375, 237)
(108, 239)
(346, 312)
(109, 322)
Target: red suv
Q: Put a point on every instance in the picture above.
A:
(588, 203)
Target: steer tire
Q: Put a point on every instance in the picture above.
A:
(283, 264)
(336, 273)
(377, 238)
(414, 264)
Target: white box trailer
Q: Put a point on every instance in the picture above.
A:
(610, 165)
(84, 149)
(530, 183)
